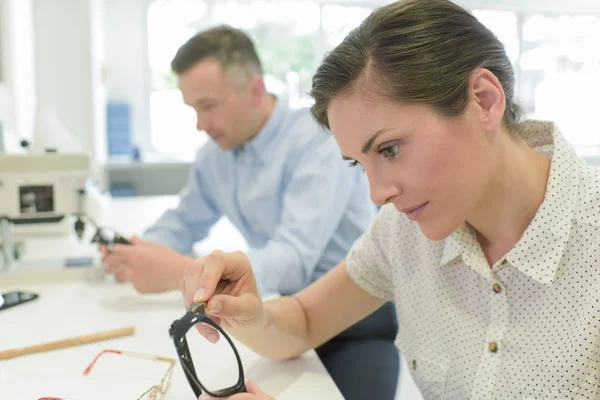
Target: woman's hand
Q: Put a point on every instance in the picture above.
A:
(254, 393)
(238, 303)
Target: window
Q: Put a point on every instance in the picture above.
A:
(338, 21)
(290, 37)
(560, 73)
(556, 58)
(557, 67)
(504, 25)
(171, 23)
(285, 34)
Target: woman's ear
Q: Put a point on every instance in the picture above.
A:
(486, 91)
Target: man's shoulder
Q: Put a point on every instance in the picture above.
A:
(301, 129)
(209, 152)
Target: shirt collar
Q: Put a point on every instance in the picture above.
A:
(463, 243)
(259, 145)
(539, 251)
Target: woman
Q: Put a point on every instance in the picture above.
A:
(488, 238)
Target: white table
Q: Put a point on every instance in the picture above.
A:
(80, 301)
(77, 307)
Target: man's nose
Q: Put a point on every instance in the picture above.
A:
(201, 123)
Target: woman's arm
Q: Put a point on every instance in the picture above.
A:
(281, 328)
(308, 319)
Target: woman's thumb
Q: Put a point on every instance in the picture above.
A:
(135, 240)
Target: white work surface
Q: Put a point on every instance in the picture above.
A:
(78, 307)
(80, 301)
(49, 318)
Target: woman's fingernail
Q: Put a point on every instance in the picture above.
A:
(199, 296)
(215, 307)
(203, 396)
(212, 337)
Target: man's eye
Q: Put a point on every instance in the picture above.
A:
(206, 107)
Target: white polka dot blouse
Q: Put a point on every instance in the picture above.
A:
(529, 327)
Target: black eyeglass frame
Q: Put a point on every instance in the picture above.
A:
(101, 237)
(177, 332)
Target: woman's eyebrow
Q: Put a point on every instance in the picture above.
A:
(369, 143)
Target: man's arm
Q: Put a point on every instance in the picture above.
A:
(315, 200)
(157, 263)
(191, 220)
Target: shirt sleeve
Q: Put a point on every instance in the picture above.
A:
(179, 228)
(314, 202)
(367, 262)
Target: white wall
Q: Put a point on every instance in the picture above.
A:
(68, 54)
(97, 53)
(17, 63)
(127, 69)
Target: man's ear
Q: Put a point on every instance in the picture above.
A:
(256, 85)
(487, 94)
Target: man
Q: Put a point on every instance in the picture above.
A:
(281, 181)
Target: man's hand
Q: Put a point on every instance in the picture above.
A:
(254, 393)
(149, 266)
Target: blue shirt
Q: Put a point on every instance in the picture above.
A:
(288, 191)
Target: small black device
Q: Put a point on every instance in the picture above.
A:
(15, 298)
(104, 235)
(109, 237)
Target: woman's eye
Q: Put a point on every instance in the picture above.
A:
(354, 164)
(390, 151)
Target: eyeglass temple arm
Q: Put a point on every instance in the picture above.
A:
(131, 354)
(89, 367)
